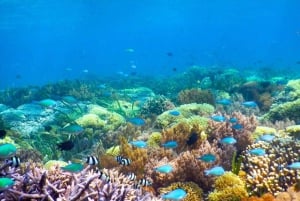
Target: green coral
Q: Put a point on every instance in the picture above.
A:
(288, 110)
(189, 112)
(90, 120)
(293, 131)
(154, 139)
(293, 87)
(261, 130)
(228, 187)
(194, 192)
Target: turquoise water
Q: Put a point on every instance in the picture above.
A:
(45, 41)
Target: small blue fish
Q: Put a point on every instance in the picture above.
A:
(139, 144)
(258, 151)
(218, 118)
(170, 144)
(136, 121)
(208, 158)
(176, 194)
(69, 99)
(73, 129)
(233, 120)
(174, 113)
(224, 101)
(249, 104)
(73, 167)
(295, 165)
(164, 168)
(47, 103)
(228, 140)
(267, 137)
(215, 171)
(237, 126)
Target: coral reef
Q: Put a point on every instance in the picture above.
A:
(194, 192)
(292, 194)
(269, 173)
(195, 96)
(264, 197)
(156, 105)
(228, 187)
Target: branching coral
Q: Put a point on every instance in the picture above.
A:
(219, 130)
(269, 173)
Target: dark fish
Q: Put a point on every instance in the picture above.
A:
(14, 161)
(123, 161)
(174, 69)
(48, 128)
(298, 62)
(169, 54)
(91, 160)
(18, 76)
(2, 133)
(66, 145)
(192, 139)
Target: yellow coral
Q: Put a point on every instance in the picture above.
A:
(261, 130)
(228, 187)
(90, 120)
(114, 151)
(194, 192)
(52, 164)
(154, 139)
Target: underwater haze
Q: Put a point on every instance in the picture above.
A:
(48, 41)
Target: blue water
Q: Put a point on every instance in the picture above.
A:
(47, 41)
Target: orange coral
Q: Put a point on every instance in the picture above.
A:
(264, 197)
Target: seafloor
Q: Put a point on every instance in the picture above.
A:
(214, 134)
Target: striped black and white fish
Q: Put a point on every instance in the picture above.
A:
(144, 182)
(103, 176)
(91, 160)
(14, 161)
(123, 161)
(131, 176)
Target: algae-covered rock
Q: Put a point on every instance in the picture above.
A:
(90, 120)
(51, 164)
(187, 112)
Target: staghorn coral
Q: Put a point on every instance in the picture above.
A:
(269, 173)
(228, 187)
(195, 96)
(34, 183)
(194, 192)
(219, 130)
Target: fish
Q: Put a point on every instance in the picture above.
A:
(7, 150)
(177, 194)
(2, 133)
(139, 144)
(267, 137)
(73, 167)
(170, 144)
(123, 161)
(130, 50)
(208, 158)
(131, 176)
(13, 161)
(224, 101)
(174, 112)
(144, 182)
(103, 176)
(174, 69)
(250, 104)
(215, 171)
(66, 145)
(91, 160)
(47, 128)
(258, 151)
(228, 140)
(218, 118)
(69, 99)
(294, 165)
(136, 121)
(167, 168)
(6, 183)
(73, 129)
(192, 139)
(233, 120)
(169, 54)
(237, 126)
(48, 103)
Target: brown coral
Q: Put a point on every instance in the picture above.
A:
(196, 96)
